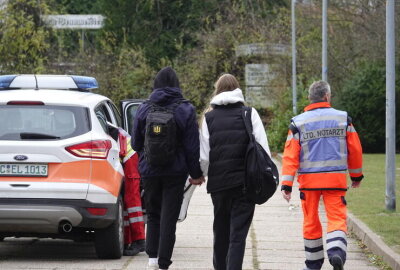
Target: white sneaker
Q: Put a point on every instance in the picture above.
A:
(152, 266)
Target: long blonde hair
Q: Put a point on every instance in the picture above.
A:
(226, 82)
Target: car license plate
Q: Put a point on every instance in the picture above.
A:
(23, 169)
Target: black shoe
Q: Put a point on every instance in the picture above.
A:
(336, 262)
(135, 248)
(141, 244)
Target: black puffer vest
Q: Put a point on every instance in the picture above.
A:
(228, 143)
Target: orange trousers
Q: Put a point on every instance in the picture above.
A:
(336, 212)
(335, 207)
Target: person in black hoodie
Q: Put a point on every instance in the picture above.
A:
(164, 185)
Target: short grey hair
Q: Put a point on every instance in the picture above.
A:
(318, 90)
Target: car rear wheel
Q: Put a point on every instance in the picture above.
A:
(109, 242)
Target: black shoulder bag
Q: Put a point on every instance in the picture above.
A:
(262, 177)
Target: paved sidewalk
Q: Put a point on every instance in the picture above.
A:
(274, 241)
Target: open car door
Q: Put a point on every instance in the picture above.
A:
(128, 110)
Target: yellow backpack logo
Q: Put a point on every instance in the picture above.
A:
(157, 129)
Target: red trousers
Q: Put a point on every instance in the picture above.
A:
(133, 213)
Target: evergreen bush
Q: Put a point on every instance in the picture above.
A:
(364, 98)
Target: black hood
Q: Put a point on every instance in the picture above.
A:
(165, 96)
(166, 77)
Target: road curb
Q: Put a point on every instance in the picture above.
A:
(373, 241)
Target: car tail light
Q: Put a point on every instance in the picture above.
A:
(93, 149)
(97, 211)
(25, 103)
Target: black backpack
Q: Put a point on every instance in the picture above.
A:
(160, 141)
(262, 176)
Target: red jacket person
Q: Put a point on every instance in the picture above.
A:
(134, 231)
(322, 145)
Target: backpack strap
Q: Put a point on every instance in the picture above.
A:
(176, 104)
(246, 115)
(170, 107)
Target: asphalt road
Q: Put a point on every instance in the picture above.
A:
(32, 253)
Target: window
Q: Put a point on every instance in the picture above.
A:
(130, 111)
(117, 115)
(103, 115)
(60, 122)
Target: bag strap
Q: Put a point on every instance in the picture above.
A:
(176, 104)
(169, 108)
(247, 121)
(249, 128)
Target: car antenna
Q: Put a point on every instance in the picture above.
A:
(37, 86)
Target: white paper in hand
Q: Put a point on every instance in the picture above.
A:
(187, 195)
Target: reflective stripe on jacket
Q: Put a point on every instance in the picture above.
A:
(128, 156)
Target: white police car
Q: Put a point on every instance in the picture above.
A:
(60, 173)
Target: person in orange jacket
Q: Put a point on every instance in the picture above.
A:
(321, 146)
(134, 230)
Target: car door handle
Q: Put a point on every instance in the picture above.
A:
(20, 185)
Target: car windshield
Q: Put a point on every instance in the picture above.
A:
(33, 122)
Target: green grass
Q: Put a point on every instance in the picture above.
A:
(368, 201)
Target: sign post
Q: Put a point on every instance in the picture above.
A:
(258, 79)
(260, 84)
(262, 49)
(325, 40)
(294, 79)
(390, 107)
(69, 21)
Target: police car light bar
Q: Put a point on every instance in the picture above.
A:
(61, 82)
(6, 80)
(85, 83)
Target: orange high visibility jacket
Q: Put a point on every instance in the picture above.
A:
(321, 127)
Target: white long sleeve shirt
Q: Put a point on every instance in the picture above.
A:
(225, 98)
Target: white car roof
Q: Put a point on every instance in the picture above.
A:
(50, 89)
(52, 97)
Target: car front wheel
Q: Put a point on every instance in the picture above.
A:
(109, 242)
